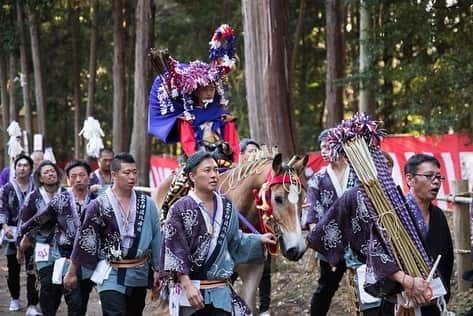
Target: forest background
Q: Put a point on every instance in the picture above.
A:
(303, 66)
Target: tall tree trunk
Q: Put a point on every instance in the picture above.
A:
(140, 141)
(130, 38)
(92, 59)
(266, 64)
(335, 62)
(119, 110)
(11, 88)
(295, 48)
(5, 113)
(366, 103)
(38, 71)
(25, 73)
(75, 74)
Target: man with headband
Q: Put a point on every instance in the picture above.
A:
(12, 197)
(202, 243)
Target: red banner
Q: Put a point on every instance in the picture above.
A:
(454, 152)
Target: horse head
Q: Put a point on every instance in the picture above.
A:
(281, 204)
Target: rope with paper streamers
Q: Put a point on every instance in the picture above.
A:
(93, 133)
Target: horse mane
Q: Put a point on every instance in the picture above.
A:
(235, 176)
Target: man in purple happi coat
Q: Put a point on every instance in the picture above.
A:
(350, 222)
(201, 245)
(324, 188)
(65, 212)
(12, 197)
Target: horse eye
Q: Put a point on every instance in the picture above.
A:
(278, 199)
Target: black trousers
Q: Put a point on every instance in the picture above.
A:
(50, 295)
(265, 286)
(117, 304)
(13, 278)
(85, 287)
(328, 285)
(210, 310)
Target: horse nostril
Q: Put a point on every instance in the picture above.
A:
(292, 253)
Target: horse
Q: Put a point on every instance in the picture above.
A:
(272, 182)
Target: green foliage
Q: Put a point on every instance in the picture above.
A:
(8, 34)
(423, 83)
(421, 72)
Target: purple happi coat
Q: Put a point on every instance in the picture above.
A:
(207, 249)
(63, 213)
(349, 222)
(323, 190)
(96, 178)
(11, 200)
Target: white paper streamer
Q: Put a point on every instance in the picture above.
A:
(14, 145)
(93, 133)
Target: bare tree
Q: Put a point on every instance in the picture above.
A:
(140, 141)
(92, 59)
(335, 62)
(11, 87)
(75, 76)
(25, 74)
(119, 109)
(266, 68)
(38, 70)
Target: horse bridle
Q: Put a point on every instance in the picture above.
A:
(267, 222)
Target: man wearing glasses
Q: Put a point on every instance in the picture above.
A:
(424, 180)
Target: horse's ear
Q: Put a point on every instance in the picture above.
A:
(277, 164)
(301, 163)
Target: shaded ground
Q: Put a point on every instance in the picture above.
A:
(293, 283)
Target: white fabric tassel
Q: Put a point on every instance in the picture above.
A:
(49, 155)
(14, 145)
(93, 133)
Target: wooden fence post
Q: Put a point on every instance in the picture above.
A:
(461, 227)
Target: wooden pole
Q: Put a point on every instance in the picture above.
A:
(461, 226)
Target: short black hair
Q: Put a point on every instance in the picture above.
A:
(27, 158)
(119, 159)
(77, 163)
(194, 161)
(41, 165)
(105, 150)
(247, 141)
(414, 161)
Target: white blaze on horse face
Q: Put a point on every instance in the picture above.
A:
(294, 238)
(287, 215)
(293, 196)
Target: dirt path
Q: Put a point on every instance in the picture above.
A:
(293, 283)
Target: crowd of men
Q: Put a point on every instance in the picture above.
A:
(100, 232)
